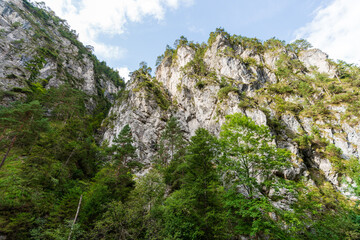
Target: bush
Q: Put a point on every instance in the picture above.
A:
(224, 92)
(298, 46)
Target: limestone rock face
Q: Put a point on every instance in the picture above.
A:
(27, 40)
(317, 59)
(201, 101)
(143, 115)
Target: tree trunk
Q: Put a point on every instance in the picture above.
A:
(76, 215)
(67, 160)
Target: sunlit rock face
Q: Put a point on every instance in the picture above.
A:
(200, 101)
(32, 47)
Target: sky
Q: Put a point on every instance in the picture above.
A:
(127, 32)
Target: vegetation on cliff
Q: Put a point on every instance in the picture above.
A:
(58, 182)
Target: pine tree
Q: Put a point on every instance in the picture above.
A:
(20, 124)
(195, 211)
(172, 143)
(123, 153)
(172, 149)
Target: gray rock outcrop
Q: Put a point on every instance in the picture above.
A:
(39, 48)
(196, 105)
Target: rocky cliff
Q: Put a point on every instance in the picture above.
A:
(55, 96)
(38, 50)
(309, 102)
(305, 98)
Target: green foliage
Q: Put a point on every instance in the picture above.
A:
(251, 217)
(16, 24)
(154, 88)
(19, 124)
(109, 184)
(47, 18)
(65, 102)
(169, 53)
(321, 213)
(59, 233)
(299, 45)
(305, 89)
(159, 59)
(200, 84)
(246, 102)
(194, 211)
(37, 10)
(335, 89)
(248, 43)
(171, 154)
(234, 40)
(172, 143)
(249, 156)
(123, 151)
(334, 154)
(273, 44)
(213, 35)
(224, 92)
(72, 37)
(114, 181)
(137, 218)
(44, 173)
(342, 98)
(101, 70)
(113, 223)
(286, 66)
(34, 66)
(304, 141)
(250, 61)
(49, 52)
(226, 188)
(282, 106)
(197, 64)
(182, 41)
(280, 88)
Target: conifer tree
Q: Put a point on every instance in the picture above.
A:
(171, 153)
(123, 153)
(20, 124)
(195, 211)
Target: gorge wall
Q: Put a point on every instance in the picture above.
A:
(309, 102)
(38, 49)
(289, 91)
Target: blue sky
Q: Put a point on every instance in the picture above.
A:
(126, 32)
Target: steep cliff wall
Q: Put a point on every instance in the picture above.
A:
(37, 49)
(299, 93)
(52, 157)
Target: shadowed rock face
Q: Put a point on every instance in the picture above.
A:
(203, 106)
(27, 39)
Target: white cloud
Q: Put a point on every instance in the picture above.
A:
(108, 51)
(335, 30)
(91, 18)
(195, 29)
(124, 72)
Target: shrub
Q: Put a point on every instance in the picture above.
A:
(273, 43)
(299, 45)
(223, 92)
(200, 84)
(280, 88)
(16, 24)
